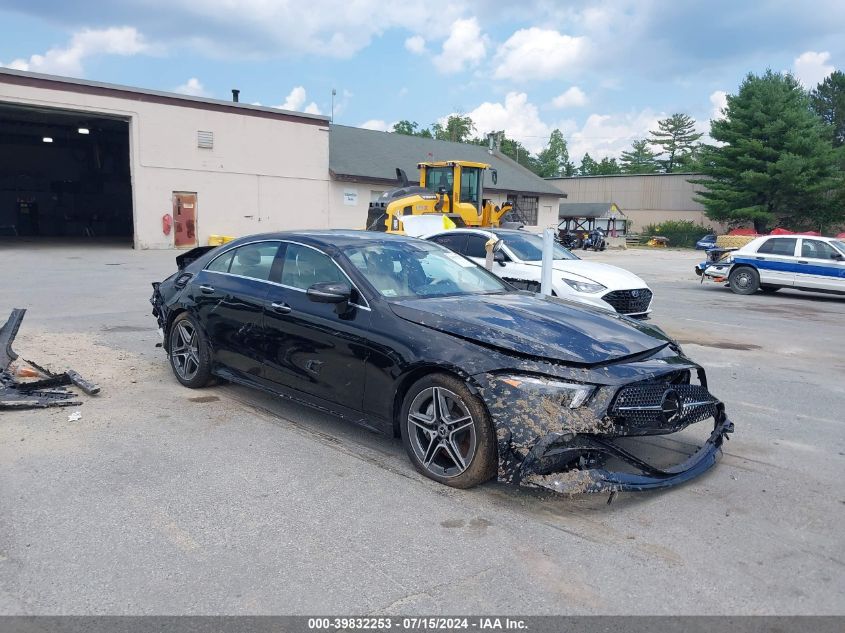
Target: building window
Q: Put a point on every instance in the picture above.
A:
(526, 208)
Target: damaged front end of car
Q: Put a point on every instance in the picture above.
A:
(564, 435)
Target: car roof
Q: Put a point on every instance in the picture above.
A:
(328, 237)
(484, 231)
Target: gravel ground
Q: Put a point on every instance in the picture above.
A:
(162, 500)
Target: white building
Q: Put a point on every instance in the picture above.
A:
(82, 158)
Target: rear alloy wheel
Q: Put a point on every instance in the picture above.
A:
(447, 432)
(188, 352)
(744, 280)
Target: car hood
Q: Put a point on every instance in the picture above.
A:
(607, 275)
(534, 325)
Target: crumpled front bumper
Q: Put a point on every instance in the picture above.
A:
(541, 443)
(652, 478)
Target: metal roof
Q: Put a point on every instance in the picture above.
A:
(359, 154)
(72, 84)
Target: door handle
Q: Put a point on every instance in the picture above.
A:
(281, 308)
(207, 290)
(801, 261)
(761, 258)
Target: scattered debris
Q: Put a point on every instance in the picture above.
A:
(75, 416)
(27, 385)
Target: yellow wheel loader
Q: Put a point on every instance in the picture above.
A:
(451, 188)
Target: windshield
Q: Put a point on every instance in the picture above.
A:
(529, 247)
(839, 244)
(411, 270)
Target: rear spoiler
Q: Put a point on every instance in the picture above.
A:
(186, 259)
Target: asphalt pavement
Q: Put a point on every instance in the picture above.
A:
(163, 500)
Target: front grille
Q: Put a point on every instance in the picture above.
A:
(663, 405)
(629, 301)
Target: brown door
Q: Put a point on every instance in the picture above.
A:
(185, 218)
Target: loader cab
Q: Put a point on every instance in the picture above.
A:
(462, 183)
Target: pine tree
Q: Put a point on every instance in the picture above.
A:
(828, 100)
(608, 167)
(588, 166)
(640, 159)
(677, 137)
(554, 161)
(775, 164)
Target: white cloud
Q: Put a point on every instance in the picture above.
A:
(295, 101)
(609, 135)
(719, 101)
(572, 98)
(518, 117)
(192, 87)
(537, 53)
(811, 68)
(377, 124)
(465, 47)
(86, 43)
(416, 44)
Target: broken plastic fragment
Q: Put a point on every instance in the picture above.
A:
(75, 416)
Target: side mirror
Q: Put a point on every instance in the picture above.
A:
(328, 292)
(838, 257)
(494, 176)
(499, 257)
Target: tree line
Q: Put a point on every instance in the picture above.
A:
(675, 141)
(778, 157)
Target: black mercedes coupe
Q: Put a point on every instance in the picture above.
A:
(404, 336)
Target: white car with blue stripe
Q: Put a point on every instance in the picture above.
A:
(772, 262)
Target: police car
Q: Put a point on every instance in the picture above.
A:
(772, 262)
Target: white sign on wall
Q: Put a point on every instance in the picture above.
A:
(350, 197)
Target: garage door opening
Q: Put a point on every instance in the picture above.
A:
(64, 176)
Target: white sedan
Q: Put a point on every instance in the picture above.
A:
(600, 285)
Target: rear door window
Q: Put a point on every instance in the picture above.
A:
(254, 260)
(778, 246)
(453, 241)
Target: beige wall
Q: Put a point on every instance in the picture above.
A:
(644, 199)
(348, 202)
(263, 174)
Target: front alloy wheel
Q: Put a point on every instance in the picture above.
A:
(447, 432)
(442, 432)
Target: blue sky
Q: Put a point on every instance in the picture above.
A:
(602, 72)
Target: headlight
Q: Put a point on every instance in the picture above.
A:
(584, 286)
(572, 394)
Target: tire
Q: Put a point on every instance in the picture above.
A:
(744, 280)
(769, 289)
(189, 352)
(457, 449)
